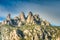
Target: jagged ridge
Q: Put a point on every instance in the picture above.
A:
(28, 28)
(21, 19)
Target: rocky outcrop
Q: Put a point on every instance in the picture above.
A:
(22, 17)
(36, 18)
(30, 32)
(30, 18)
(45, 22)
(16, 35)
(19, 23)
(18, 28)
(8, 20)
(5, 33)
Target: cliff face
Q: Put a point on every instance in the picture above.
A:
(28, 28)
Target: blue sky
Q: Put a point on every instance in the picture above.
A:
(47, 9)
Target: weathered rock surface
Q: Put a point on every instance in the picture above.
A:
(5, 33)
(22, 17)
(30, 32)
(16, 35)
(18, 28)
(30, 19)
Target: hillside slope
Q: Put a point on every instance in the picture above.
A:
(30, 32)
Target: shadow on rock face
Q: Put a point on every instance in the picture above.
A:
(49, 37)
(19, 33)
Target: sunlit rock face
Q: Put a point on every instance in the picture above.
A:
(30, 18)
(22, 16)
(35, 33)
(45, 22)
(5, 33)
(58, 38)
(4, 22)
(21, 19)
(20, 23)
(42, 23)
(8, 20)
(14, 35)
(18, 28)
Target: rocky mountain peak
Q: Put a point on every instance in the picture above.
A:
(30, 14)
(9, 16)
(28, 28)
(30, 18)
(21, 19)
(22, 16)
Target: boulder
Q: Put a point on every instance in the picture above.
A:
(16, 35)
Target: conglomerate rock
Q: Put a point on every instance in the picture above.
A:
(30, 19)
(16, 35)
(18, 28)
(32, 32)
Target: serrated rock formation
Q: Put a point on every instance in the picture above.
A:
(5, 33)
(8, 20)
(30, 32)
(31, 27)
(21, 19)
